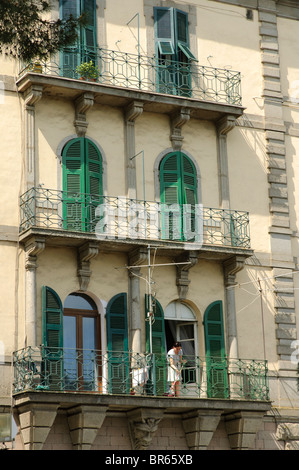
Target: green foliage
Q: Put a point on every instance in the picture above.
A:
(88, 70)
(26, 33)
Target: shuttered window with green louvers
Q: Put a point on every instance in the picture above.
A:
(215, 351)
(82, 184)
(52, 321)
(178, 186)
(84, 49)
(172, 51)
(117, 344)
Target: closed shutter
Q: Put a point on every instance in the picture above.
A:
(93, 183)
(215, 351)
(52, 325)
(157, 383)
(117, 341)
(178, 186)
(82, 184)
(73, 185)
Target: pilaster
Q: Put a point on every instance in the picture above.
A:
(32, 249)
(132, 112)
(137, 257)
(223, 127)
(32, 97)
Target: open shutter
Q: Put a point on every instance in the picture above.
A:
(189, 197)
(89, 32)
(70, 57)
(73, 185)
(52, 323)
(215, 351)
(117, 342)
(157, 383)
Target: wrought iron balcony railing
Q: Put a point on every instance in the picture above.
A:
(148, 74)
(127, 373)
(119, 218)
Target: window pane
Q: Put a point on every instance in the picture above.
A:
(79, 301)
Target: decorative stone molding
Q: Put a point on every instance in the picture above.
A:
(241, 428)
(35, 421)
(143, 424)
(86, 253)
(199, 427)
(231, 267)
(178, 120)
(31, 98)
(82, 104)
(182, 272)
(33, 95)
(84, 423)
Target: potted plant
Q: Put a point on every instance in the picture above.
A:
(88, 71)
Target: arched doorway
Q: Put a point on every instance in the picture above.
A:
(81, 343)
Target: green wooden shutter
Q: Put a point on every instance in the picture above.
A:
(215, 351)
(157, 383)
(88, 34)
(70, 57)
(178, 185)
(93, 183)
(165, 50)
(117, 344)
(52, 326)
(73, 185)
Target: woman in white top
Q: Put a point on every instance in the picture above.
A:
(175, 358)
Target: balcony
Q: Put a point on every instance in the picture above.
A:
(162, 85)
(130, 374)
(118, 221)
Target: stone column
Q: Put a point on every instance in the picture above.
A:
(231, 267)
(132, 112)
(32, 250)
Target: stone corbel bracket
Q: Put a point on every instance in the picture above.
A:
(133, 111)
(182, 272)
(231, 267)
(86, 253)
(33, 95)
(143, 424)
(82, 104)
(32, 249)
(177, 122)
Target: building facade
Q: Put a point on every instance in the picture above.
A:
(150, 195)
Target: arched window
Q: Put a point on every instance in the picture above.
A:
(82, 184)
(178, 194)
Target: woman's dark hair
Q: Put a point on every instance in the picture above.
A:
(177, 344)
